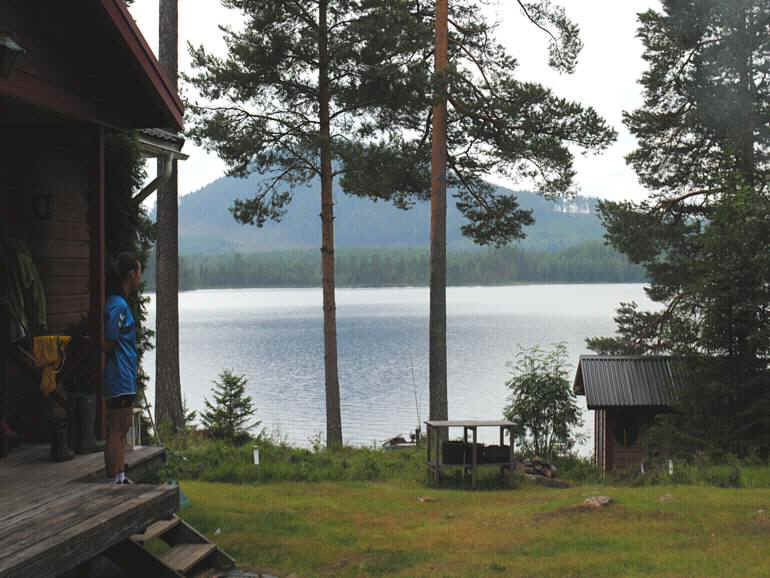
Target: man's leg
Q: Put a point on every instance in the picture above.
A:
(125, 414)
(112, 445)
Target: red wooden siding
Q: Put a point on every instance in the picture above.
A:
(54, 162)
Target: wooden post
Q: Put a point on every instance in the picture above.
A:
(97, 282)
(474, 459)
(430, 463)
(4, 352)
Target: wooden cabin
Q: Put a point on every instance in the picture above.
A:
(625, 393)
(70, 72)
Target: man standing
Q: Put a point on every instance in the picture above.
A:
(121, 364)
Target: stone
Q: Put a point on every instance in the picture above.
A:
(597, 501)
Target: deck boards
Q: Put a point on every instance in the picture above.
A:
(52, 518)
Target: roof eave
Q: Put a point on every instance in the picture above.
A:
(136, 43)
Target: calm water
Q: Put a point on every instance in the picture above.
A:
(274, 337)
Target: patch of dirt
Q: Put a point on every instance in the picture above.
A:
(576, 509)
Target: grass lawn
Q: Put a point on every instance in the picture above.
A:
(383, 529)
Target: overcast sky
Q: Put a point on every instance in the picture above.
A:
(606, 78)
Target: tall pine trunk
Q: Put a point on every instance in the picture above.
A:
(333, 413)
(168, 390)
(437, 332)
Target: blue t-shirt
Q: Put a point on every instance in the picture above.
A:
(120, 369)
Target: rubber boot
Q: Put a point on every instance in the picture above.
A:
(60, 450)
(86, 418)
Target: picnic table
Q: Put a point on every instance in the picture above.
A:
(436, 442)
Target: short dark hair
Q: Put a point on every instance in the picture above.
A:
(119, 269)
(125, 263)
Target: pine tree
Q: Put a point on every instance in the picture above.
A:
(229, 416)
(343, 89)
(168, 387)
(703, 236)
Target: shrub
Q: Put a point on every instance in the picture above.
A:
(228, 417)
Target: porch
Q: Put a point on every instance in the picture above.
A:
(56, 515)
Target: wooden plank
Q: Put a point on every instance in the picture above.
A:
(62, 304)
(44, 249)
(56, 268)
(71, 210)
(184, 533)
(97, 278)
(66, 286)
(156, 530)
(27, 509)
(474, 459)
(183, 557)
(66, 230)
(60, 515)
(135, 559)
(82, 541)
(60, 323)
(138, 461)
(30, 469)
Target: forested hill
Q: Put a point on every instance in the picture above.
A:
(207, 227)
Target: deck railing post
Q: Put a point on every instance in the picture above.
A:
(97, 281)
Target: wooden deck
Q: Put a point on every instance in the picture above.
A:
(54, 516)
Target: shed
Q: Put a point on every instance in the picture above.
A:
(625, 393)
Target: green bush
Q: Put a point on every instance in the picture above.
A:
(577, 469)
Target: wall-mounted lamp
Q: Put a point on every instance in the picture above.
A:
(44, 206)
(9, 55)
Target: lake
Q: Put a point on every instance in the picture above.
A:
(274, 337)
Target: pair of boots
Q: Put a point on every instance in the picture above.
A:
(81, 435)
(85, 410)
(60, 449)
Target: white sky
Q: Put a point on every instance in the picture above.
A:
(606, 78)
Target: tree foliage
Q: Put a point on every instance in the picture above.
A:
(344, 89)
(542, 405)
(127, 225)
(381, 90)
(703, 236)
(230, 415)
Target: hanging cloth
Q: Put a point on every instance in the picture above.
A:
(26, 294)
(48, 352)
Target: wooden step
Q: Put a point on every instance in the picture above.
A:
(156, 530)
(184, 556)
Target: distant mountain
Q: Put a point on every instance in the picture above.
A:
(207, 227)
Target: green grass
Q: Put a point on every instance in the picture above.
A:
(383, 529)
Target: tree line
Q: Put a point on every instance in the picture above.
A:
(590, 262)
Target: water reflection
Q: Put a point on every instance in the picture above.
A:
(274, 337)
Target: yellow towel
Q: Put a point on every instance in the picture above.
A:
(48, 352)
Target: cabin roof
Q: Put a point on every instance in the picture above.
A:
(627, 381)
(87, 61)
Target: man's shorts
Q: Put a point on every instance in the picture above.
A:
(121, 401)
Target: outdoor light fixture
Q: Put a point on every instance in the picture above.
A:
(9, 55)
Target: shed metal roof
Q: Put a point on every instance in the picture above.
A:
(613, 381)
